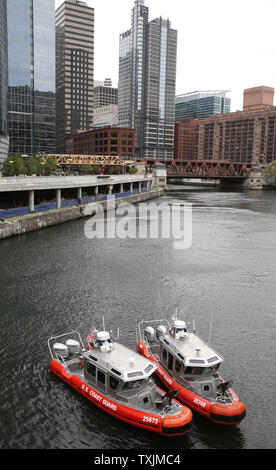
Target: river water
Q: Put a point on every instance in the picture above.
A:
(56, 280)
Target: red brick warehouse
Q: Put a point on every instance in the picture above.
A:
(105, 141)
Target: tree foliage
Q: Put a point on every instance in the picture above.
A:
(133, 170)
(271, 169)
(33, 165)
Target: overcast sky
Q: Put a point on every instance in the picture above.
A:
(227, 45)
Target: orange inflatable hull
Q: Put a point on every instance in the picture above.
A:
(216, 412)
(166, 426)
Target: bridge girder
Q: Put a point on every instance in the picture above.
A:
(209, 169)
(89, 160)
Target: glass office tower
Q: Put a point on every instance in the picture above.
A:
(31, 92)
(201, 105)
(147, 79)
(3, 81)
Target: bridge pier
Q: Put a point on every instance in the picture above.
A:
(79, 195)
(58, 198)
(31, 202)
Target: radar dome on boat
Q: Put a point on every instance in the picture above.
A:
(180, 324)
(103, 336)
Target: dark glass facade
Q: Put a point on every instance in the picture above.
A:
(3, 80)
(31, 55)
(201, 105)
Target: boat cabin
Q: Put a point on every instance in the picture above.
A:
(115, 370)
(190, 360)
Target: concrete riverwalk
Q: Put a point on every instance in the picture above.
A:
(36, 221)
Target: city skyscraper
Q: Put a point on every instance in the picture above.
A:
(74, 69)
(4, 142)
(31, 65)
(147, 80)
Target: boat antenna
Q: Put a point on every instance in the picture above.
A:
(118, 333)
(194, 329)
(210, 329)
(103, 325)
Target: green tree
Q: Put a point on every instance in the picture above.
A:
(86, 170)
(271, 169)
(50, 165)
(117, 170)
(95, 170)
(32, 165)
(8, 166)
(18, 164)
(14, 165)
(133, 170)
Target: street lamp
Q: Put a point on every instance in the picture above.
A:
(24, 160)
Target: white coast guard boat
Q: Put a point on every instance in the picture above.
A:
(118, 381)
(187, 364)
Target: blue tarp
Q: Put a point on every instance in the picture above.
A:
(20, 211)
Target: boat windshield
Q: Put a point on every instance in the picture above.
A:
(211, 369)
(132, 385)
(200, 370)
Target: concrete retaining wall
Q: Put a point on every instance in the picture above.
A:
(30, 223)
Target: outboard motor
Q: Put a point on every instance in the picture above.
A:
(161, 331)
(61, 350)
(149, 334)
(73, 346)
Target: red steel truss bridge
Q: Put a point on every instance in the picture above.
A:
(208, 170)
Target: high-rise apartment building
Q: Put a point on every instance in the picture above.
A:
(147, 78)
(247, 137)
(74, 69)
(31, 85)
(4, 143)
(201, 105)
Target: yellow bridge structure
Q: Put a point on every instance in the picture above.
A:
(88, 160)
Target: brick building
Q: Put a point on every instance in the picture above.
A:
(247, 136)
(105, 141)
(184, 140)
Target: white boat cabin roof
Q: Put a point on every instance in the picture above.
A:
(122, 363)
(192, 350)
